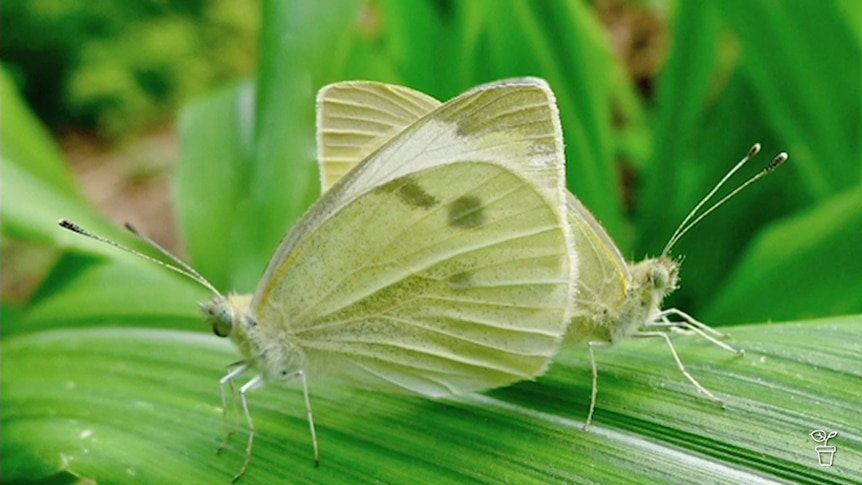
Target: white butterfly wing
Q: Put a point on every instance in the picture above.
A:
(441, 263)
(356, 117)
(603, 276)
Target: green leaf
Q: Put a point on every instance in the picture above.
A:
(805, 88)
(30, 164)
(548, 32)
(777, 276)
(217, 133)
(739, 72)
(682, 93)
(109, 404)
(248, 169)
(24, 140)
(127, 292)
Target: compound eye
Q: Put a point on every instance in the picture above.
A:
(660, 278)
(221, 329)
(220, 316)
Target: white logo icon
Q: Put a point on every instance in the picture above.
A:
(825, 453)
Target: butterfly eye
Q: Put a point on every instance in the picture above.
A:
(660, 277)
(219, 314)
(220, 328)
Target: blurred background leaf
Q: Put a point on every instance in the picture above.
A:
(657, 99)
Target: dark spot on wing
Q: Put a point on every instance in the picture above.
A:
(411, 193)
(466, 212)
(461, 281)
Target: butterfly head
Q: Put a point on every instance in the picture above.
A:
(656, 278)
(652, 280)
(663, 277)
(227, 314)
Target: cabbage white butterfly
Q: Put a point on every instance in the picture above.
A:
(617, 299)
(439, 263)
(614, 299)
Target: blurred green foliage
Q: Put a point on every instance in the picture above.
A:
(117, 67)
(644, 144)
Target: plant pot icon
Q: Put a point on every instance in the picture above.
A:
(825, 454)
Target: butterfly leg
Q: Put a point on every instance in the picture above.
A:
(256, 383)
(692, 321)
(595, 391)
(689, 323)
(672, 326)
(679, 363)
(227, 380)
(310, 418)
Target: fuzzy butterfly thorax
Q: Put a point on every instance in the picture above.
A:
(651, 281)
(609, 309)
(267, 349)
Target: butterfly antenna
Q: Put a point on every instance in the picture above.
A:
(181, 268)
(688, 223)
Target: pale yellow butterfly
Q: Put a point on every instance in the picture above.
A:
(614, 299)
(439, 263)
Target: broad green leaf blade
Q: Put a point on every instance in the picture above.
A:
(38, 187)
(546, 33)
(120, 403)
(216, 132)
(249, 170)
(24, 141)
(35, 218)
(808, 264)
(129, 292)
(683, 86)
(793, 379)
(77, 399)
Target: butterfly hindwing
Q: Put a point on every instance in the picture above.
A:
(603, 276)
(356, 117)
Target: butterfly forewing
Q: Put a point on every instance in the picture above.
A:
(474, 305)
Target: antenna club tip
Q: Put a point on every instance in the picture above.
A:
(67, 224)
(779, 159)
(755, 149)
